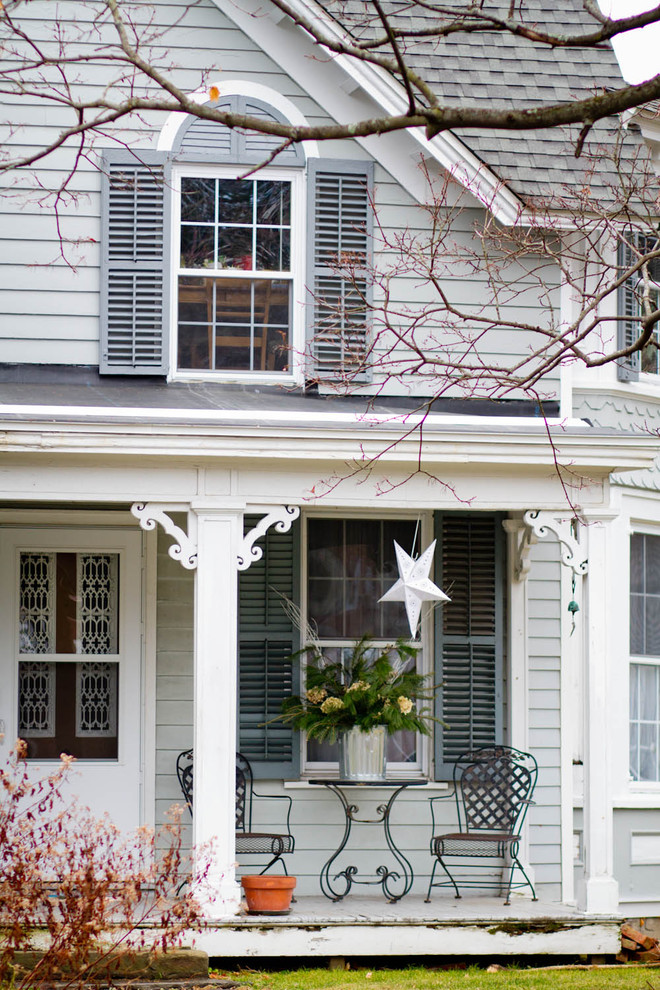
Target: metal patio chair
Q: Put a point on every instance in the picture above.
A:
(248, 843)
(493, 789)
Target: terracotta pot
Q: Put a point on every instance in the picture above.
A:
(268, 895)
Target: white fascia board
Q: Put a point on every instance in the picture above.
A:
(335, 437)
(250, 16)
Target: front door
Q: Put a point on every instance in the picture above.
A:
(70, 660)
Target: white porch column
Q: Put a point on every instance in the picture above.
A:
(517, 683)
(601, 893)
(216, 644)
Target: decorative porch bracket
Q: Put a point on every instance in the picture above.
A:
(279, 516)
(536, 525)
(184, 549)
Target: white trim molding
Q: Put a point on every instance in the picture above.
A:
(236, 87)
(184, 549)
(279, 516)
(537, 524)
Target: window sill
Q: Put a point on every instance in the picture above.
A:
(237, 377)
(642, 799)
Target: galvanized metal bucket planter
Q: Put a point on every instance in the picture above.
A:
(362, 755)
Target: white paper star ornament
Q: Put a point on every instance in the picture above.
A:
(414, 585)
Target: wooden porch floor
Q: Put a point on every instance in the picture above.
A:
(369, 926)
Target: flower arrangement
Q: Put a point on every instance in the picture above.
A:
(372, 686)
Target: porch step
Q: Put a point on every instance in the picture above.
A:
(185, 967)
(470, 927)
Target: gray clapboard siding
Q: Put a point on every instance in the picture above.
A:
(174, 673)
(544, 658)
(39, 340)
(641, 880)
(203, 34)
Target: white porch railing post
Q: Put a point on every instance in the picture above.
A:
(601, 893)
(216, 608)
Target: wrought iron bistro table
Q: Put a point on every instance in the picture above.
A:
(401, 875)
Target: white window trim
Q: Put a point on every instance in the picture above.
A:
(400, 771)
(639, 787)
(298, 227)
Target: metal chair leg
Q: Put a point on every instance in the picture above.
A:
(427, 899)
(442, 864)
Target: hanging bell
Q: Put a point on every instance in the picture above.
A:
(573, 607)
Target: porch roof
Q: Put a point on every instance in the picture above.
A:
(79, 411)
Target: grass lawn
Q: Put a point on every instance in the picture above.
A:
(614, 978)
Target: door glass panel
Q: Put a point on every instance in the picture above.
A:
(68, 605)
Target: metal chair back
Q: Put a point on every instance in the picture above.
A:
(274, 844)
(244, 791)
(244, 788)
(493, 787)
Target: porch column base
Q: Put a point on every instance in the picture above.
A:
(601, 896)
(220, 899)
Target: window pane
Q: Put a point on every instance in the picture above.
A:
(273, 202)
(69, 708)
(649, 361)
(233, 302)
(195, 296)
(325, 548)
(363, 548)
(69, 603)
(273, 250)
(637, 625)
(198, 200)
(235, 200)
(637, 563)
(652, 564)
(197, 247)
(362, 611)
(634, 751)
(652, 627)
(648, 752)
(37, 603)
(194, 352)
(648, 693)
(233, 348)
(402, 747)
(634, 690)
(326, 606)
(394, 620)
(235, 248)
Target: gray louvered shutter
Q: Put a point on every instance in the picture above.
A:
(134, 284)
(266, 638)
(340, 225)
(628, 329)
(469, 635)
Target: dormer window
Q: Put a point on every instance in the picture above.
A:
(217, 265)
(235, 275)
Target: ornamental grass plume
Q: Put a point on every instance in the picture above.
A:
(74, 878)
(368, 686)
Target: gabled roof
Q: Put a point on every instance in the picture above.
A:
(499, 70)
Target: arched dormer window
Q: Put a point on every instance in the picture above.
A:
(209, 272)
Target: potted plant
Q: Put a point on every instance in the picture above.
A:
(268, 894)
(359, 699)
